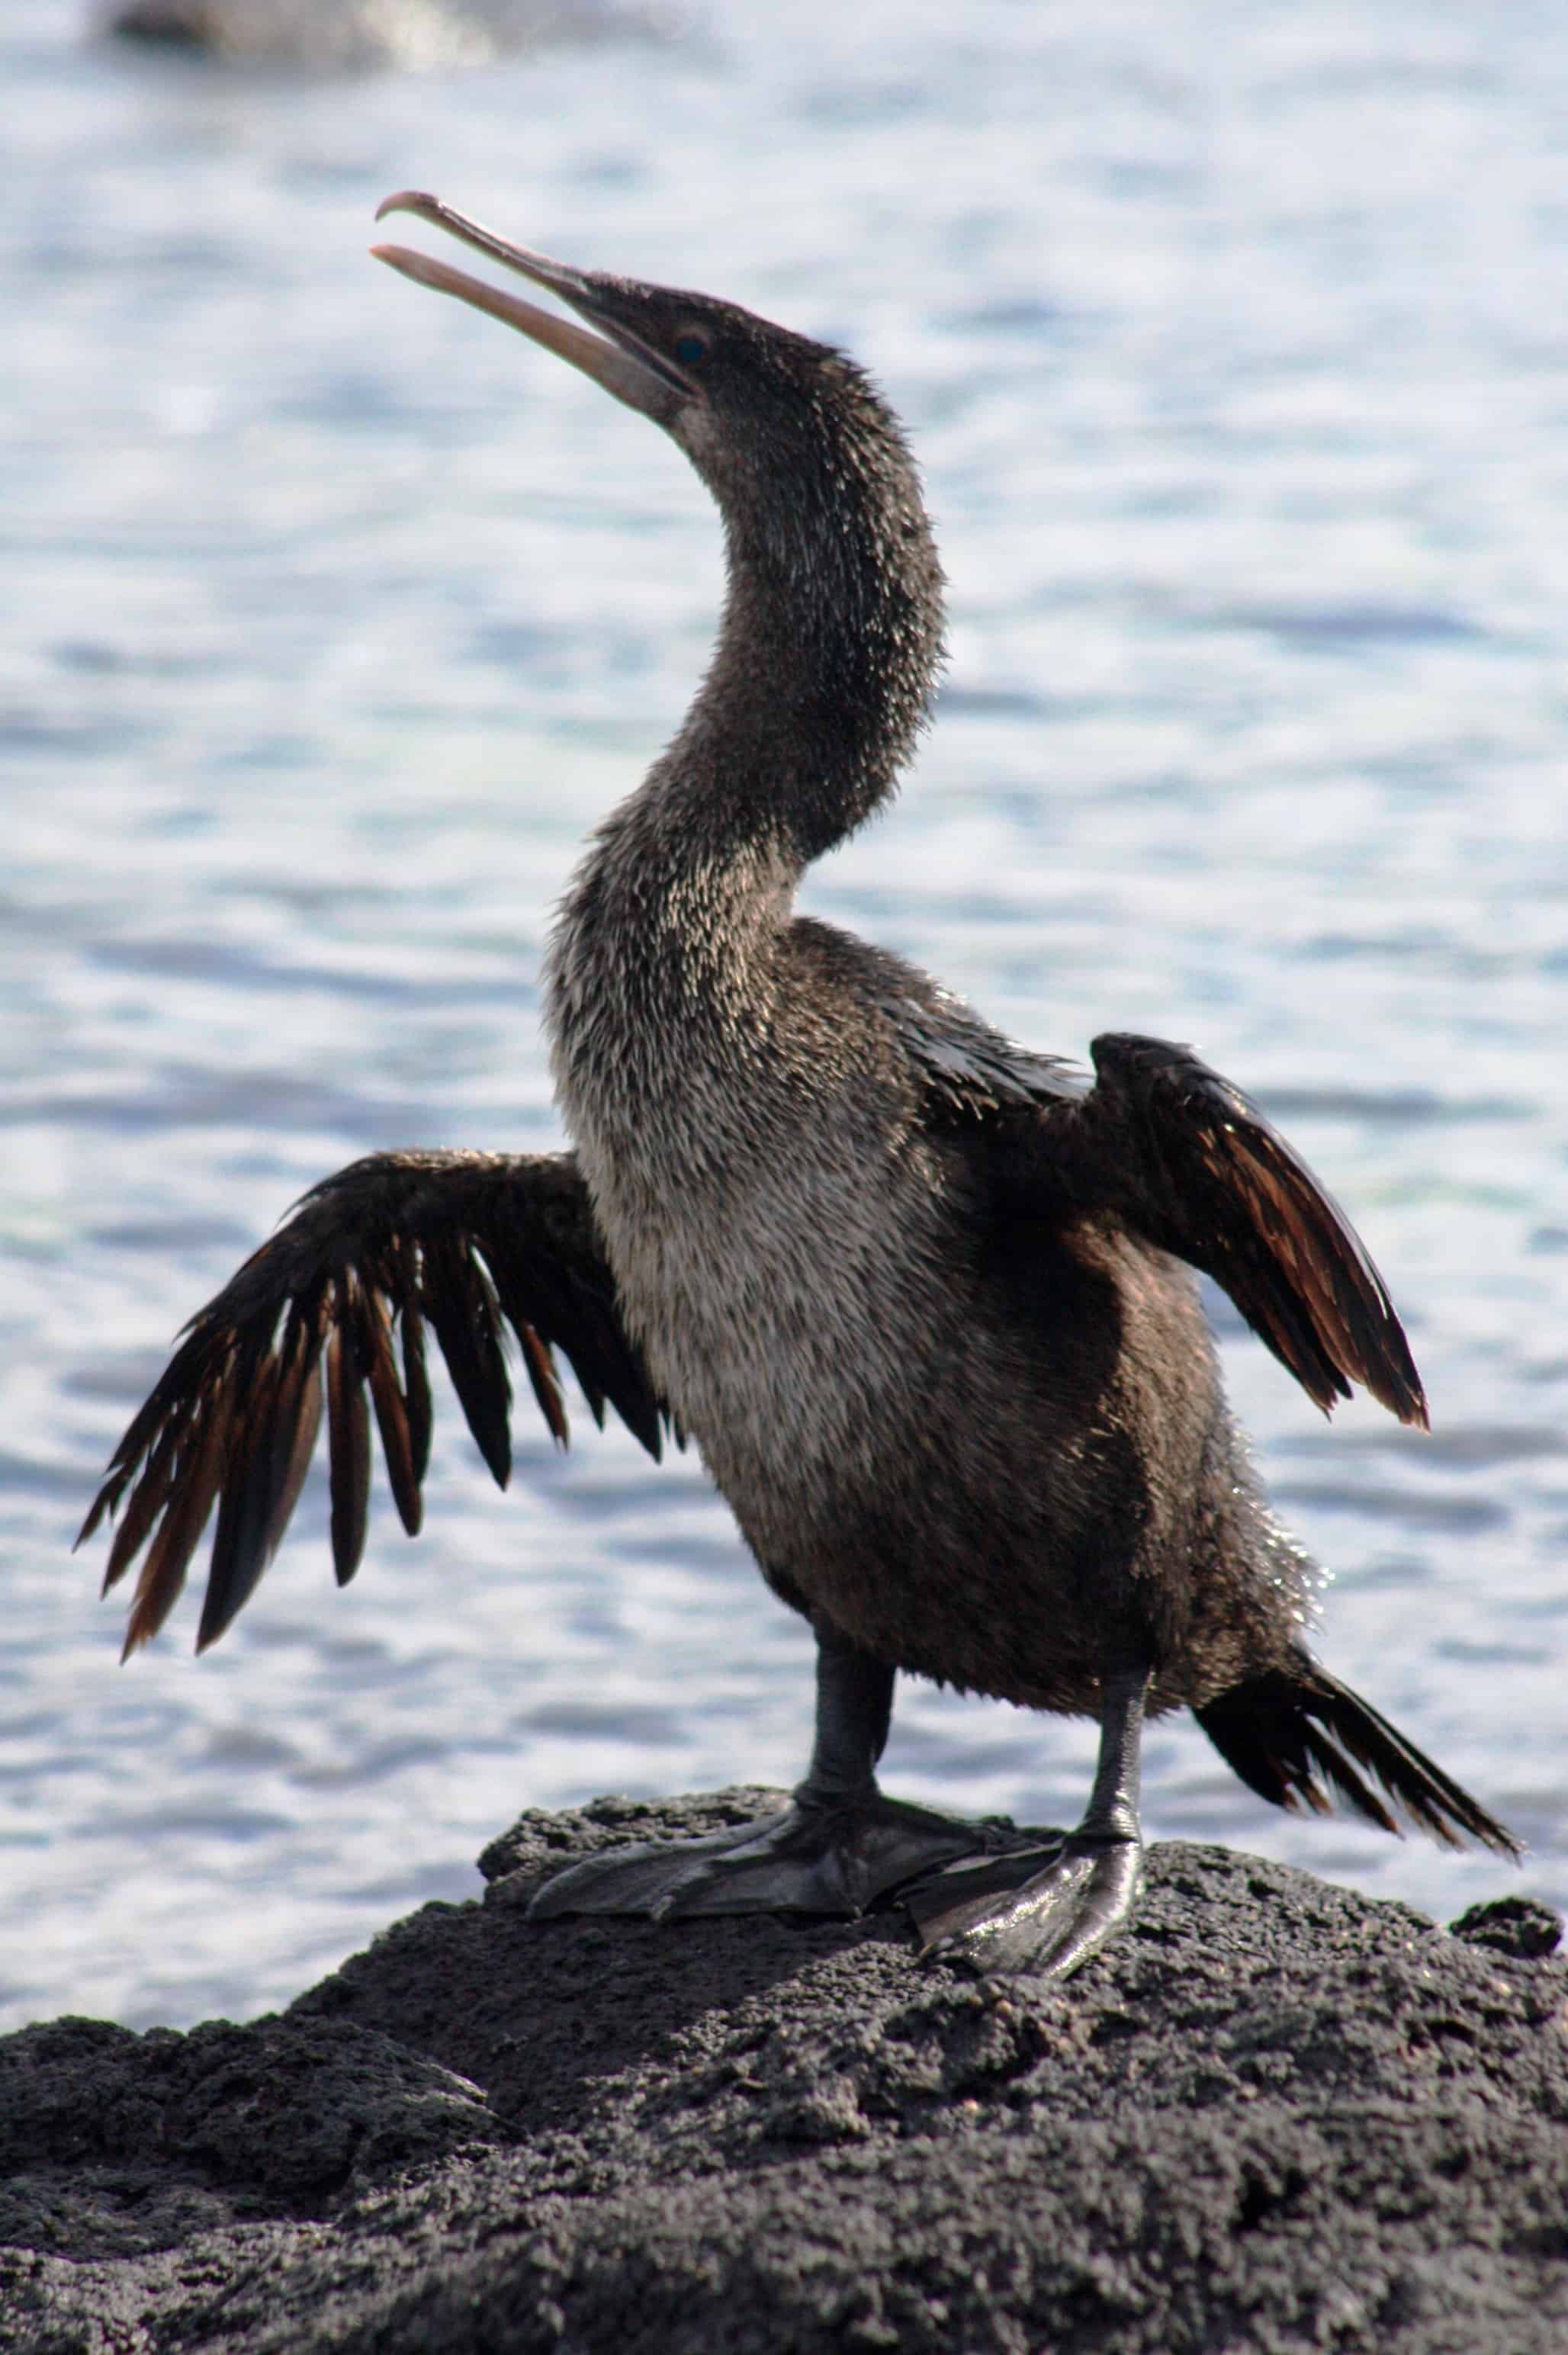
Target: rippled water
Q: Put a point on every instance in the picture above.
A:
(1233, 341)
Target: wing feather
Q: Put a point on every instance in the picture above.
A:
(163, 1574)
(391, 1250)
(416, 1385)
(1189, 1162)
(348, 1453)
(297, 1445)
(461, 1303)
(391, 1414)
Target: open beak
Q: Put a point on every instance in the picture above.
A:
(615, 358)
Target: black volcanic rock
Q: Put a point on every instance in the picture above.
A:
(1275, 2116)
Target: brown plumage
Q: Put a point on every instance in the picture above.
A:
(915, 1293)
(461, 1240)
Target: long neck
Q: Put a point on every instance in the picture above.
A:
(821, 677)
(818, 686)
(820, 680)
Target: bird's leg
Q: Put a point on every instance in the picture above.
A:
(1057, 1918)
(853, 1711)
(838, 1848)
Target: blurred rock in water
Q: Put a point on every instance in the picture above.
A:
(327, 36)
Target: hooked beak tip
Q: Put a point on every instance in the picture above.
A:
(403, 200)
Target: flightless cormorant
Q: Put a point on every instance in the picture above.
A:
(922, 1299)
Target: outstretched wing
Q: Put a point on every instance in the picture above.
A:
(396, 1242)
(1191, 1164)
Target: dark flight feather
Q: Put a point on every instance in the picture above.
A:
(416, 1381)
(391, 1412)
(411, 1242)
(546, 1389)
(348, 1452)
(461, 1303)
(163, 1574)
(295, 1443)
(1185, 1160)
(1292, 1734)
(239, 1540)
(146, 1503)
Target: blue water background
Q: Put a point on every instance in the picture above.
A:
(1234, 343)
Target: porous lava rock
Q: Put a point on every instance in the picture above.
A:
(1275, 2116)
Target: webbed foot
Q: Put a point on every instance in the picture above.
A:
(1060, 1915)
(1054, 1921)
(835, 1849)
(814, 1857)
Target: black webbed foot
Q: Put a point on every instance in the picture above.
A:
(985, 1894)
(1057, 1919)
(834, 1859)
(838, 1847)
(1053, 1920)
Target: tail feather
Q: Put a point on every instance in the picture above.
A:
(1295, 1735)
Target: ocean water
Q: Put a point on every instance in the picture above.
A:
(1232, 339)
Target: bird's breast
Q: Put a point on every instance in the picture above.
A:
(772, 1219)
(759, 1262)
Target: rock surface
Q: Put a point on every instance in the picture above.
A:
(1275, 2116)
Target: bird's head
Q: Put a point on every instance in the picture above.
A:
(784, 431)
(827, 653)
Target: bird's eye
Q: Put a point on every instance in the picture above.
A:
(691, 349)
